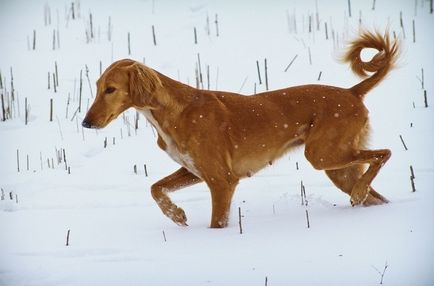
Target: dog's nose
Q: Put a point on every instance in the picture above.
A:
(86, 124)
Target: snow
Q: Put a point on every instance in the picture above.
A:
(116, 229)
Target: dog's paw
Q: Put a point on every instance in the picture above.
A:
(374, 201)
(359, 196)
(178, 216)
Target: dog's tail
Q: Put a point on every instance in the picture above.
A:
(380, 64)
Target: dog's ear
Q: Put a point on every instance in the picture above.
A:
(143, 84)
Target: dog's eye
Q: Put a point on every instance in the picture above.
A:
(109, 90)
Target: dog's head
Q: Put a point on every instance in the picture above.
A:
(124, 84)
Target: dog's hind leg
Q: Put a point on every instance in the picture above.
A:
(338, 147)
(337, 160)
(178, 180)
(346, 178)
(376, 160)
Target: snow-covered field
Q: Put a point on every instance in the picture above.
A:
(118, 235)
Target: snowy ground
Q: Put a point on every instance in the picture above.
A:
(116, 230)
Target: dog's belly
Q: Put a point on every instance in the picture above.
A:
(247, 163)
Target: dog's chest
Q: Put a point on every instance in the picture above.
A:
(184, 159)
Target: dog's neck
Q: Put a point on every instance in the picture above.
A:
(169, 100)
(172, 96)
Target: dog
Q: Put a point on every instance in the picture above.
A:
(221, 137)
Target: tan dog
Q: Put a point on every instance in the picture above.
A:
(220, 137)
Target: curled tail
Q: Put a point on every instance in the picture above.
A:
(380, 64)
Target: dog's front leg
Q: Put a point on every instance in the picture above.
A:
(178, 180)
(222, 191)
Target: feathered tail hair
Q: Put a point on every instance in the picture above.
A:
(380, 64)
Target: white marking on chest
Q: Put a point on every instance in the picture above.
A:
(184, 159)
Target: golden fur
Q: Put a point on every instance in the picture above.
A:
(220, 137)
